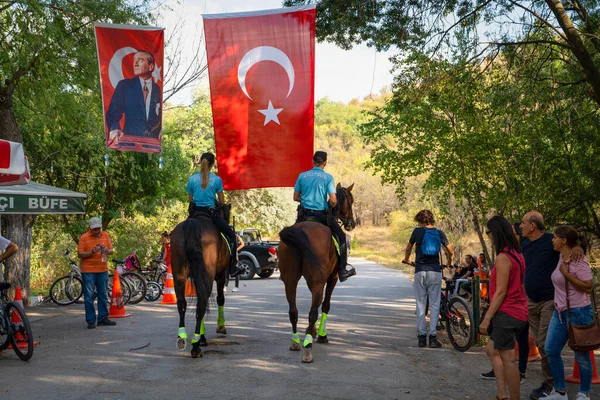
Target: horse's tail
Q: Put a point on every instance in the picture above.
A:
(192, 230)
(296, 237)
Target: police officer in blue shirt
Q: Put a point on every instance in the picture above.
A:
(202, 189)
(311, 190)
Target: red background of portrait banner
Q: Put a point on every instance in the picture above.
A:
(251, 154)
(111, 38)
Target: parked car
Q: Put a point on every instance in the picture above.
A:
(257, 257)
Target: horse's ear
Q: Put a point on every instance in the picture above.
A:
(349, 188)
(338, 186)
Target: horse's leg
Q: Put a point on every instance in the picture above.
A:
(221, 304)
(198, 332)
(322, 338)
(317, 298)
(182, 336)
(291, 284)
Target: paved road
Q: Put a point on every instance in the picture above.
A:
(372, 352)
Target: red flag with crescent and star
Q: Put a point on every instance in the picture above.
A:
(261, 69)
(131, 60)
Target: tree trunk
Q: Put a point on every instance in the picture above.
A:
(17, 228)
(17, 268)
(577, 47)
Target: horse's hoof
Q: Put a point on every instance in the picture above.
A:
(181, 343)
(294, 346)
(196, 354)
(222, 330)
(203, 342)
(307, 356)
(322, 339)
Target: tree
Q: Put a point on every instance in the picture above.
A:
(458, 28)
(49, 100)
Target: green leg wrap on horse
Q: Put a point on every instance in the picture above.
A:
(196, 338)
(221, 317)
(323, 325)
(182, 333)
(202, 330)
(296, 337)
(307, 340)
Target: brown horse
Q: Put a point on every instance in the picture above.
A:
(308, 250)
(199, 251)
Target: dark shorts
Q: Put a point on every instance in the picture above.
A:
(504, 330)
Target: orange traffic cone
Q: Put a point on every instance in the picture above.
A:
(169, 290)
(190, 290)
(117, 305)
(534, 352)
(19, 296)
(574, 378)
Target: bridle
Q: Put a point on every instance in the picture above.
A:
(347, 221)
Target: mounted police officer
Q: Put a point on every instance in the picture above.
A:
(202, 188)
(311, 190)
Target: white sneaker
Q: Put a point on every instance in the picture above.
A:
(582, 396)
(557, 396)
(235, 289)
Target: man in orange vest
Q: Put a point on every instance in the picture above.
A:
(93, 249)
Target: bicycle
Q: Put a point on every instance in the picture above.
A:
(15, 329)
(136, 282)
(153, 276)
(456, 313)
(68, 288)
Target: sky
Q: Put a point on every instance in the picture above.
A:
(339, 75)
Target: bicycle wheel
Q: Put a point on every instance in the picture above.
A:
(125, 289)
(4, 336)
(138, 286)
(153, 291)
(66, 290)
(160, 278)
(21, 337)
(459, 324)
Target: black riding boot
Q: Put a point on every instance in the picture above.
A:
(342, 262)
(234, 268)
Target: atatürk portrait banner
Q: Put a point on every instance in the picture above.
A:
(131, 60)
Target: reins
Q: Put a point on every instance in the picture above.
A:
(345, 220)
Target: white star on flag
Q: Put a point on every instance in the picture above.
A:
(271, 114)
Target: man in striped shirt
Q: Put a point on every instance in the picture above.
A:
(93, 249)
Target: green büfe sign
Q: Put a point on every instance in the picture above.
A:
(28, 204)
(36, 198)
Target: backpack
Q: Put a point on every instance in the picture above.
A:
(432, 242)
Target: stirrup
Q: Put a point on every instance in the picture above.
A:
(236, 271)
(345, 274)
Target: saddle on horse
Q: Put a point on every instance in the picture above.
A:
(328, 218)
(215, 214)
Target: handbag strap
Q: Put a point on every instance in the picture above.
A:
(592, 300)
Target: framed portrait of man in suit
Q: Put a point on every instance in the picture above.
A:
(131, 60)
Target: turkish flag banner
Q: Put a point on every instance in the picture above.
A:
(131, 60)
(22, 179)
(261, 69)
(12, 158)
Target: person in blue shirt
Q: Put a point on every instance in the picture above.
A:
(203, 190)
(311, 191)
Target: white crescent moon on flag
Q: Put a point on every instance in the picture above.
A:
(115, 68)
(264, 53)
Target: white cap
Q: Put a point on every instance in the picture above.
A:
(95, 222)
